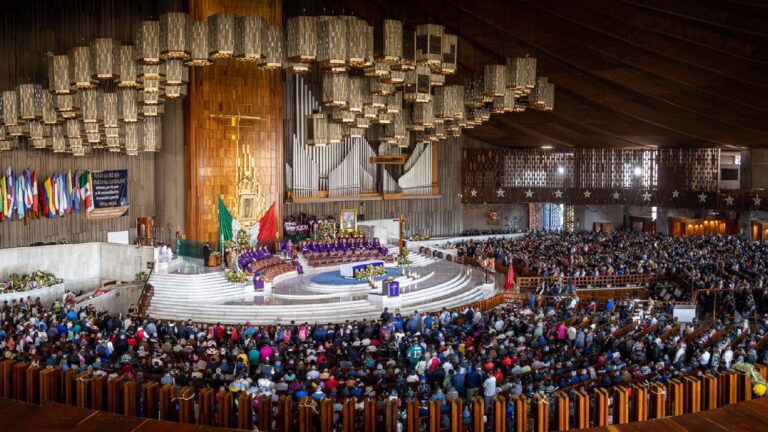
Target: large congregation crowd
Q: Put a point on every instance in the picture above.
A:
(512, 350)
(736, 266)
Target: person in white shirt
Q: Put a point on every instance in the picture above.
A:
(489, 389)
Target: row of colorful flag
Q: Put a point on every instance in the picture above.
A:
(58, 195)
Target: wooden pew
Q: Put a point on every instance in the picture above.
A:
(285, 414)
(371, 414)
(390, 416)
(130, 398)
(165, 396)
(727, 388)
(499, 414)
(457, 411)
(149, 392)
(639, 403)
(114, 395)
(82, 384)
(50, 378)
(18, 374)
(621, 405)
(98, 384)
(244, 420)
(32, 378)
(6, 378)
(478, 413)
(675, 392)
(562, 411)
(434, 417)
(68, 387)
(691, 395)
(744, 387)
(709, 392)
(601, 407)
(658, 408)
(305, 415)
(581, 409)
(521, 413)
(348, 414)
(540, 412)
(224, 411)
(205, 398)
(412, 416)
(265, 413)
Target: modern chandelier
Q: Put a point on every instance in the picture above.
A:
(385, 79)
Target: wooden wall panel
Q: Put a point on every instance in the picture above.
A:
(440, 216)
(75, 228)
(210, 149)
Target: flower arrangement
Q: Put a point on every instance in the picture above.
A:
(356, 232)
(370, 272)
(141, 277)
(402, 258)
(229, 245)
(236, 276)
(420, 237)
(27, 282)
(242, 238)
(325, 228)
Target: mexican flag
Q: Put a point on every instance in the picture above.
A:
(85, 190)
(225, 223)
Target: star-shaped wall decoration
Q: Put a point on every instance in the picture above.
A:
(500, 193)
(558, 193)
(729, 200)
(587, 194)
(675, 193)
(616, 195)
(702, 197)
(646, 196)
(757, 200)
(473, 192)
(529, 193)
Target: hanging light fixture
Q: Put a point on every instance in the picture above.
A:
(147, 41)
(221, 35)
(67, 105)
(317, 130)
(335, 132)
(48, 109)
(174, 31)
(509, 100)
(450, 60)
(89, 105)
(92, 135)
(249, 43)
(58, 142)
(332, 44)
(36, 135)
(127, 70)
(394, 130)
(149, 72)
(340, 115)
(10, 108)
(274, 51)
(175, 73)
(378, 87)
(357, 36)
(109, 108)
(150, 131)
(175, 92)
(103, 59)
(335, 89)
(423, 114)
(417, 85)
(436, 80)
(301, 46)
(521, 74)
(131, 138)
(429, 44)
(408, 60)
(58, 74)
(394, 103)
(80, 68)
(128, 105)
(72, 129)
(388, 41)
(30, 101)
(494, 80)
(378, 70)
(356, 92)
(396, 77)
(198, 44)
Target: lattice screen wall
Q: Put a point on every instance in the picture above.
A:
(690, 169)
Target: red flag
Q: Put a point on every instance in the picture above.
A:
(268, 228)
(510, 278)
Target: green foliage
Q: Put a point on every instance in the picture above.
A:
(370, 271)
(402, 258)
(242, 238)
(27, 282)
(236, 277)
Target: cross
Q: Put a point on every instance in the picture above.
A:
(401, 220)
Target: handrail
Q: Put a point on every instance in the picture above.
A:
(147, 292)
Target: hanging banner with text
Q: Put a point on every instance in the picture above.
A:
(110, 194)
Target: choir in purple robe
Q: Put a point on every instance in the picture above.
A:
(321, 252)
(249, 256)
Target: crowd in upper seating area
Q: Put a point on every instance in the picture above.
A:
(541, 346)
(722, 262)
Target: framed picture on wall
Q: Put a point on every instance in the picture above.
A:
(247, 209)
(348, 219)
